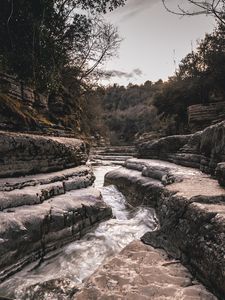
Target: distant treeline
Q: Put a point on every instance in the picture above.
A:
(161, 107)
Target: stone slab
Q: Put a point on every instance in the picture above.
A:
(141, 272)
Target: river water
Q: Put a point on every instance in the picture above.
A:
(78, 260)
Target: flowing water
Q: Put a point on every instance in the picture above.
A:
(80, 259)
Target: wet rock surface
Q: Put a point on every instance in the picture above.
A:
(191, 212)
(23, 154)
(141, 272)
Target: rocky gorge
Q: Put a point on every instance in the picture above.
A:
(166, 237)
(182, 178)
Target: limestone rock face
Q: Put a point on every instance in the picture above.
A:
(30, 230)
(22, 154)
(220, 173)
(141, 272)
(41, 212)
(190, 209)
(19, 91)
(203, 150)
(111, 155)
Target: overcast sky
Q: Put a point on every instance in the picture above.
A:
(154, 40)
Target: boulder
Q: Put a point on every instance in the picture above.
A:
(61, 288)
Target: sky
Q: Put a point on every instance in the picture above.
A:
(154, 41)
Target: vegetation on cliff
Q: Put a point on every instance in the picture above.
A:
(56, 47)
(40, 40)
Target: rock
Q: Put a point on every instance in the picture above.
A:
(190, 211)
(203, 150)
(12, 183)
(22, 154)
(19, 91)
(44, 210)
(116, 155)
(61, 289)
(220, 173)
(28, 232)
(201, 116)
(142, 272)
(31, 190)
(162, 147)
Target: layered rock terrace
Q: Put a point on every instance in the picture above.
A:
(190, 207)
(52, 206)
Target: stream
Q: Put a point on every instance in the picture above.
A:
(78, 260)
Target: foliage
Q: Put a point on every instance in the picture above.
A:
(38, 38)
(162, 106)
(129, 111)
(207, 64)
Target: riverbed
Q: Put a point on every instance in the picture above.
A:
(78, 260)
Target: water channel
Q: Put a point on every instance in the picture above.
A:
(78, 260)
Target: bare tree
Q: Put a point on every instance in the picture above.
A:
(215, 8)
(101, 44)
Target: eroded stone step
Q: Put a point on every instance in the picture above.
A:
(8, 184)
(27, 233)
(40, 193)
(115, 158)
(104, 153)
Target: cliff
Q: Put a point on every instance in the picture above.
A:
(22, 108)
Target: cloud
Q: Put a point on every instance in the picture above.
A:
(137, 72)
(121, 74)
(134, 7)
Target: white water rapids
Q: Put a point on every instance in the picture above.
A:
(78, 260)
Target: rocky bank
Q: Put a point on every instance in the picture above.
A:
(52, 206)
(23, 154)
(204, 150)
(141, 272)
(190, 208)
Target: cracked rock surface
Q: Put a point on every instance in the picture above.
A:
(141, 272)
